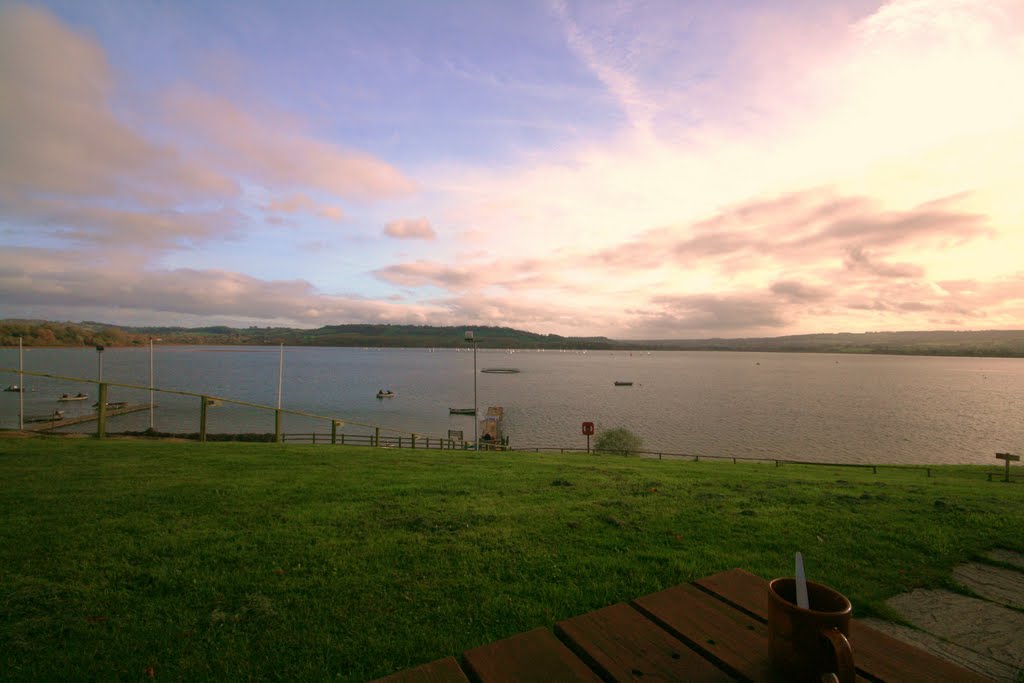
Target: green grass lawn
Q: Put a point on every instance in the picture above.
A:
(238, 561)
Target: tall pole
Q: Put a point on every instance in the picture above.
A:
(476, 418)
(476, 410)
(21, 387)
(280, 375)
(99, 362)
(150, 382)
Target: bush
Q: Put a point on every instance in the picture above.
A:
(619, 441)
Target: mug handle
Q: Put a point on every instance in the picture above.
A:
(844, 655)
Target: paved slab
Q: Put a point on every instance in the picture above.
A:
(1006, 556)
(967, 658)
(1004, 586)
(990, 629)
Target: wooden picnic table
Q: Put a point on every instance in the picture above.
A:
(711, 630)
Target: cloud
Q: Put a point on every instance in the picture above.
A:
(73, 168)
(39, 278)
(705, 315)
(639, 108)
(410, 229)
(275, 150)
(60, 134)
(859, 259)
(300, 203)
(432, 274)
(790, 229)
(798, 292)
(69, 166)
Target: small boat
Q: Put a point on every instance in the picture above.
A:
(623, 384)
(385, 393)
(116, 404)
(462, 411)
(69, 397)
(501, 371)
(52, 417)
(15, 387)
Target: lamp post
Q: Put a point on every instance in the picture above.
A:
(21, 387)
(280, 375)
(151, 383)
(476, 417)
(99, 362)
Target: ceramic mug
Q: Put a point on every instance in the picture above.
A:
(809, 645)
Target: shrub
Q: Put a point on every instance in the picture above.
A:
(619, 441)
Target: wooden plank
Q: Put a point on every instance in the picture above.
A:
(445, 670)
(623, 645)
(730, 638)
(748, 592)
(536, 655)
(876, 654)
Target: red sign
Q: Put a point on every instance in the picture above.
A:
(588, 428)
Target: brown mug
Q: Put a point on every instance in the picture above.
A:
(809, 645)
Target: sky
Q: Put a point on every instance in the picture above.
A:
(640, 170)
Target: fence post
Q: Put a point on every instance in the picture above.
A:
(202, 418)
(101, 413)
(343, 439)
(413, 441)
(334, 432)
(376, 437)
(314, 436)
(277, 426)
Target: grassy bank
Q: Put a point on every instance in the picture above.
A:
(237, 561)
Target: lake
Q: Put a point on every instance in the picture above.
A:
(822, 407)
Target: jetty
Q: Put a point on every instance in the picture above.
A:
(491, 431)
(88, 417)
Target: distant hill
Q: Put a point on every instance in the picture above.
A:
(1004, 343)
(88, 333)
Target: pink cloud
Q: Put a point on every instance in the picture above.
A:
(276, 150)
(300, 203)
(410, 229)
(61, 136)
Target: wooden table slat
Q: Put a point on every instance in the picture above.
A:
(726, 635)
(623, 645)
(747, 591)
(445, 670)
(876, 654)
(532, 656)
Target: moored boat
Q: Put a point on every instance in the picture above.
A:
(52, 417)
(69, 397)
(116, 404)
(385, 393)
(501, 371)
(462, 411)
(623, 384)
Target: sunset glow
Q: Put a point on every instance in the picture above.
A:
(655, 170)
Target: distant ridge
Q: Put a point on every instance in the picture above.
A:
(993, 343)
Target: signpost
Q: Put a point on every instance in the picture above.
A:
(588, 429)
(1007, 457)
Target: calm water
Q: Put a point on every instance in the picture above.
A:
(807, 406)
